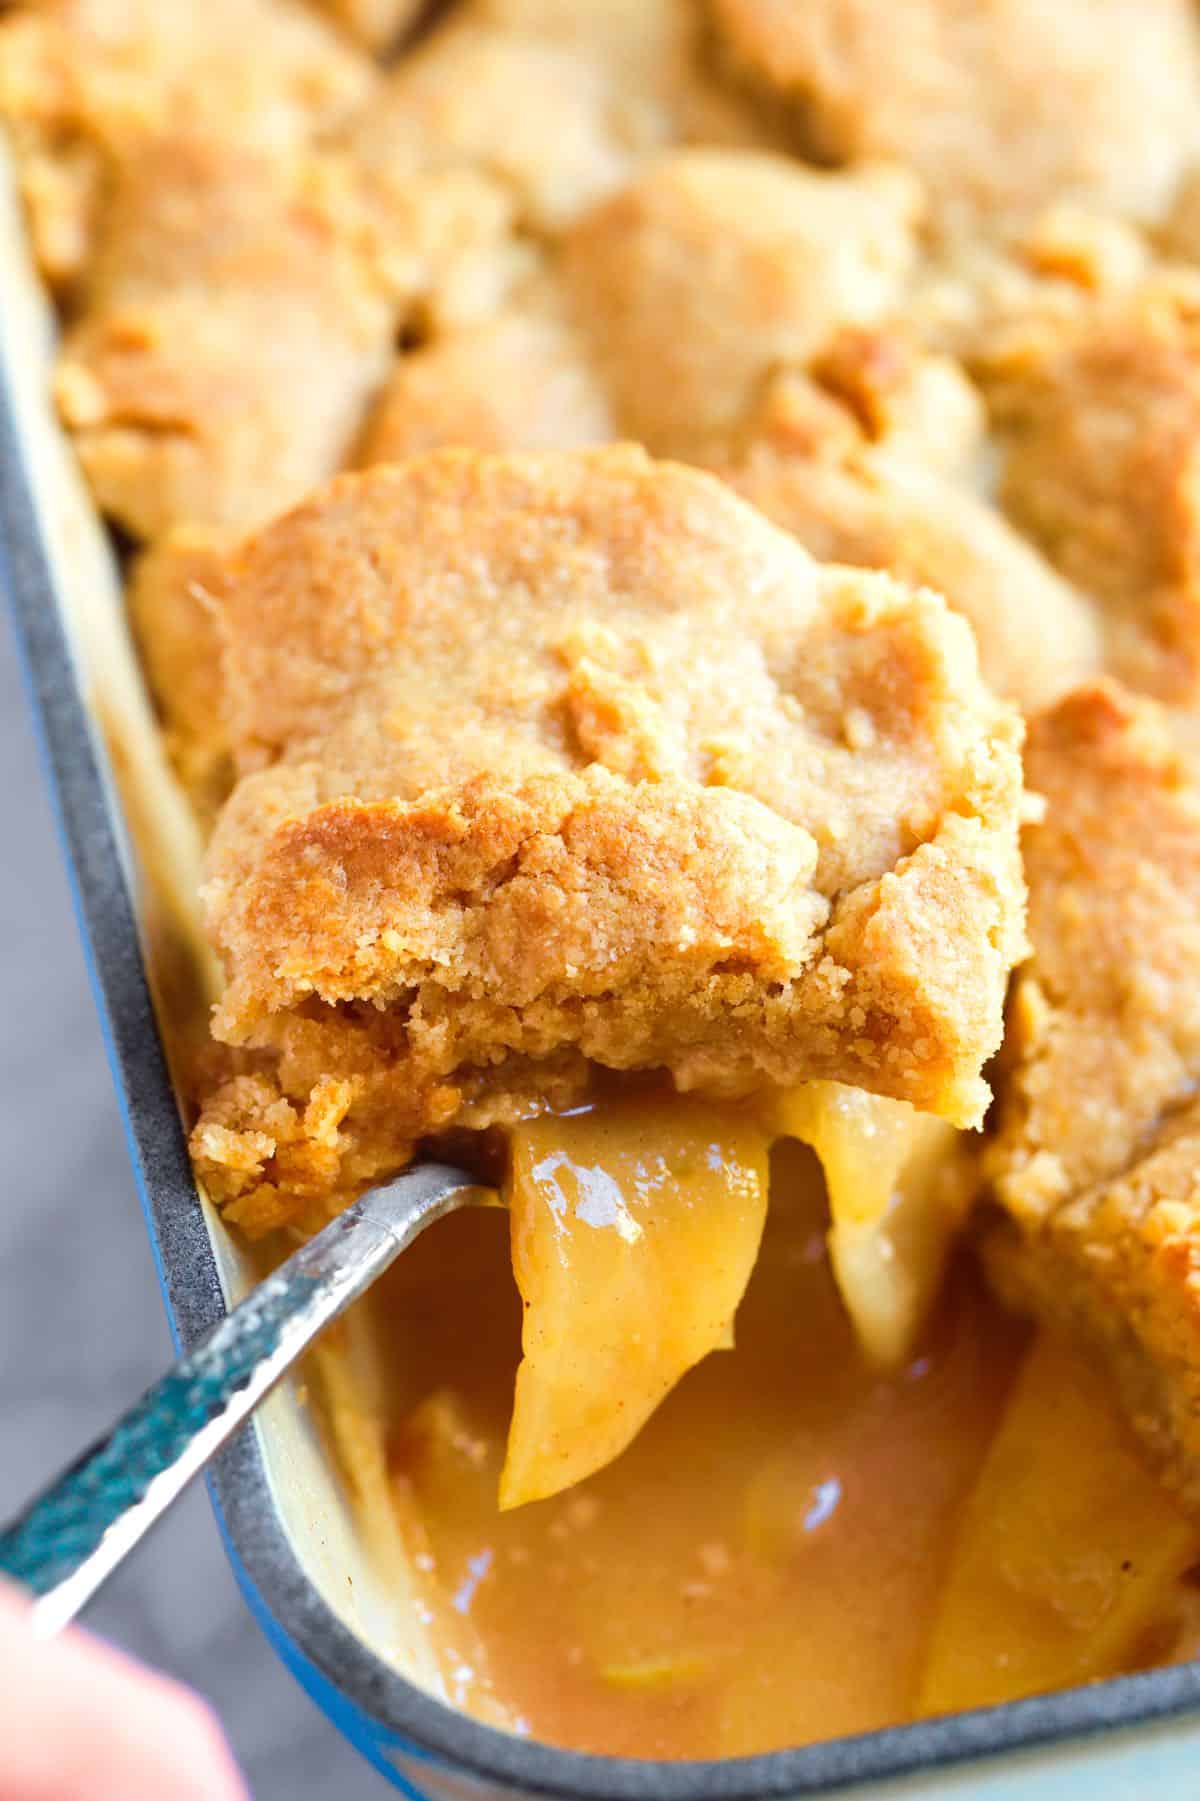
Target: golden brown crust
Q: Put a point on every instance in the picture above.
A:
(712, 268)
(172, 597)
(546, 120)
(85, 84)
(575, 756)
(1104, 1035)
(445, 245)
(651, 52)
(234, 324)
(865, 459)
(1120, 1266)
(520, 381)
(379, 24)
(1102, 418)
(1096, 1160)
(1001, 107)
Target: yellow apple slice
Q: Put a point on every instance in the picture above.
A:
(1066, 1549)
(635, 1226)
(897, 1192)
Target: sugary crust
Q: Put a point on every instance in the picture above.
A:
(847, 456)
(1104, 1035)
(712, 268)
(379, 24)
(445, 243)
(234, 323)
(1102, 467)
(520, 381)
(652, 51)
(1036, 636)
(576, 756)
(84, 82)
(1096, 1160)
(1120, 1266)
(1001, 106)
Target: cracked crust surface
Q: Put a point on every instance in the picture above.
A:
(171, 594)
(1105, 1030)
(1119, 1266)
(87, 85)
(576, 759)
(1096, 1161)
(233, 326)
(520, 381)
(1002, 106)
(1101, 433)
(547, 120)
(713, 267)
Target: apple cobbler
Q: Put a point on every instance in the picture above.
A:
(663, 538)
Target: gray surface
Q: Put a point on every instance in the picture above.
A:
(82, 1329)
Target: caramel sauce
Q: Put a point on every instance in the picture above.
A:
(762, 1566)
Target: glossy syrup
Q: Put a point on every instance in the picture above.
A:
(761, 1567)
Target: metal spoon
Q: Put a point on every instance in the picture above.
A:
(74, 1534)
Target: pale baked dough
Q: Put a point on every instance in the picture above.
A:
(84, 83)
(1001, 106)
(1096, 1163)
(1101, 432)
(171, 593)
(575, 760)
(1104, 1037)
(234, 325)
(712, 268)
(547, 120)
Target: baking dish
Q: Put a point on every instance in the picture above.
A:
(333, 1608)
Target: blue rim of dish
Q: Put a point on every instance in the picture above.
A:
(370, 1701)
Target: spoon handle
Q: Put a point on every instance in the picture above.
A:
(74, 1534)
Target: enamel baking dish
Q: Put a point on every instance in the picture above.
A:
(335, 1609)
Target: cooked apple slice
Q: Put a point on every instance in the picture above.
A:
(897, 1189)
(635, 1227)
(1067, 1547)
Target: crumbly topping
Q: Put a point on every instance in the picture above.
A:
(1002, 107)
(519, 381)
(556, 763)
(233, 323)
(1095, 1162)
(713, 268)
(172, 595)
(1104, 1034)
(85, 84)
(577, 755)
(1119, 1265)
(1101, 435)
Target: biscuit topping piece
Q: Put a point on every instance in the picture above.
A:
(1001, 106)
(713, 268)
(1106, 1016)
(574, 760)
(544, 119)
(517, 381)
(1096, 1159)
(233, 324)
(1103, 431)
(86, 85)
